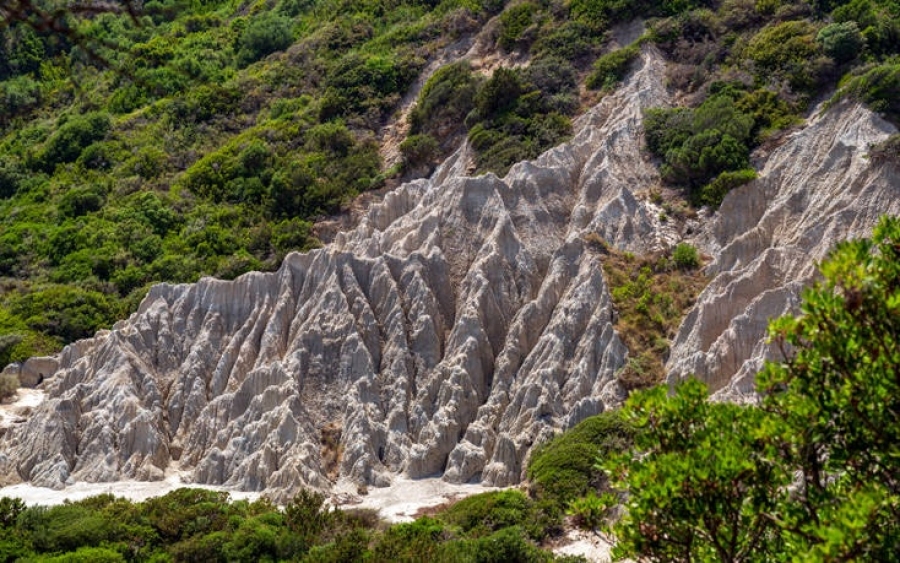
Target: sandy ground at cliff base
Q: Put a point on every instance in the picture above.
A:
(132, 490)
(595, 548)
(403, 501)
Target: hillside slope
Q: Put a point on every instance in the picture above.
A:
(464, 319)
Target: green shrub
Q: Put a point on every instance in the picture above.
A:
(590, 511)
(18, 96)
(514, 22)
(612, 67)
(570, 41)
(499, 94)
(81, 200)
(410, 543)
(789, 50)
(698, 145)
(713, 193)
(507, 544)
(484, 513)
(419, 151)
(72, 137)
(686, 256)
(445, 101)
(88, 555)
(358, 83)
(65, 312)
(879, 87)
(564, 469)
(264, 35)
(841, 41)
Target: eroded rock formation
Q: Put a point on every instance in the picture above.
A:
(815, 190)
(461, 322)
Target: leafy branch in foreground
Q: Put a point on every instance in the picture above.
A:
(809, 474)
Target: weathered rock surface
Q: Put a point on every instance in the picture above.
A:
(815, 190)
(461, 322)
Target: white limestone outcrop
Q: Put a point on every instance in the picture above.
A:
(461, 322)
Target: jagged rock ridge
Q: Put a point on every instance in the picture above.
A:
(461, 322)
(815, 190)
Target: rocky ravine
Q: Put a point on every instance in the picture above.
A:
(461, 322)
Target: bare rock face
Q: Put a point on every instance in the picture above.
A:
(463, 321)
(460, 323)
(814, 191)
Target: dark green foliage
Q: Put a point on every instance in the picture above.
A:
(877, 21)
(365, 85)
(714, 192)
(514, 119)
(72, 137)
(419, 151)
(841, 41)
(698, 145)
(506, 545)
(413, 542)
(789, 51)
(879, 87)
(443, 104)
(81, 200)
(805, 474)
(485, 513)
(571, 41)
(610, 69)
(67, 311)
(498, 95)
(565, 467)
(515, 21)
(18, 96)
(264, 35)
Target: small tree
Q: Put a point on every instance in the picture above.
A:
(812, 473)
(703, 484)
(839, 391)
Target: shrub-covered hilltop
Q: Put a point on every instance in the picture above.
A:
(194, 138)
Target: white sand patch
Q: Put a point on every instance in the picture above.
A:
(132, 490)
(593, 547)
(405, 497)
(398, 503)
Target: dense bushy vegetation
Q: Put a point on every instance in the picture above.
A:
(565, 468)
(189, 139)
(752, 69)
(202, 525)
(807, 474)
